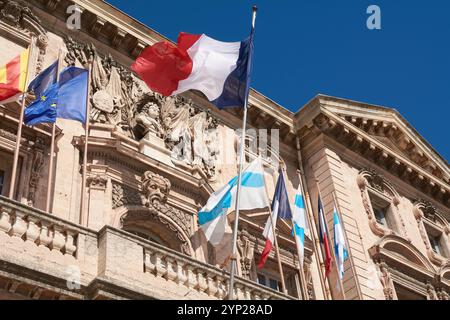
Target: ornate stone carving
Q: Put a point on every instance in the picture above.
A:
(175, 220)
(36, 169)
(119, 98)
(369, 179)
(148, 116)
(309, 278)
(425, 210)
(155, 189)
(246, 251)
(431, 292)
(122, 196)
(386, 281)
(97, 182)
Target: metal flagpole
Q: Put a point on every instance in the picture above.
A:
(241, 159)
(300, 271)
(329, 240)
(83, 216)
(52, 146)
(311, 223)
(277, 250)
(21, 116)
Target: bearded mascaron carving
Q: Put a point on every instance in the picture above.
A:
(155, 189)
(121, 99)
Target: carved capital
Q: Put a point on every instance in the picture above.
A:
(97, 182)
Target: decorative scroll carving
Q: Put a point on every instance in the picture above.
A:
(386, 281)
(368, 179)
(309, 278)
(121, 99)
(36, 169)
(246, 251)
(97, 181)
(423, 209)
(18, 15)
(431, 292)
(122, 196)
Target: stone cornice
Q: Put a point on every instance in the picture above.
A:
(407, 166)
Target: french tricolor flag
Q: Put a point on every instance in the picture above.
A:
(221, 70)
(280, 209)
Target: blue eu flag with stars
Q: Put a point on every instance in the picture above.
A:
(65, 99)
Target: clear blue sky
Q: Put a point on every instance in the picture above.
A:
(307, 47)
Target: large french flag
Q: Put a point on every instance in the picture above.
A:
(280, 209)
(221, 70)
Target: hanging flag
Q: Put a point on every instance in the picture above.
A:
(213, 216)
(221, 70)
(323, 235)
(44, 80)
(340, 247)
(65, 99)
(13, 77)
(280, 209)
(72, 95)
(299, 220)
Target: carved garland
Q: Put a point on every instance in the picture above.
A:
(155, 190)
(368, 179)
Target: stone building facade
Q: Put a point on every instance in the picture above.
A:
(153, 162)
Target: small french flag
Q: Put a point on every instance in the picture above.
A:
(221, 70)
(280, 209)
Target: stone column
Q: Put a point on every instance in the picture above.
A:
(98, 200)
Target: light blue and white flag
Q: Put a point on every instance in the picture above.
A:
(340, 247)
(213, 216)
(299, 220)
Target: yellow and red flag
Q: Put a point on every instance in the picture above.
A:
(13, 76)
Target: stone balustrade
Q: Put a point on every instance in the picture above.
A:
(112, 263)
(201, 277)
(35, 226)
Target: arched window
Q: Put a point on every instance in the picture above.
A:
(381, 204)
(435, 231)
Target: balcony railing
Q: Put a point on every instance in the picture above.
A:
(48, 254)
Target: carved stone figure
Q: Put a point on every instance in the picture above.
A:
(246, 251)
(386, 281)
(148, 118)
(36, 169)
(155, 189)
(119, 98)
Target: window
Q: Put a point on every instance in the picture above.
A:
(2, 180)
(382, 211)
(407, 294)
(380, 215)
(269, 282)
(435, 244)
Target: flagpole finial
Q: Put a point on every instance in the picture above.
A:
(254, 8)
